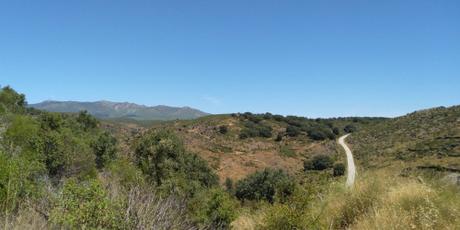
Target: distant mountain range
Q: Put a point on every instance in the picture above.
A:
(123, 110)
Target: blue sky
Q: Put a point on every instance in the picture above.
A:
(310, 58)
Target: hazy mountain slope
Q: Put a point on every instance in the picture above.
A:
(423, 138)
(111, 110)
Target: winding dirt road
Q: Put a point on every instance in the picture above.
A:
(351, 163)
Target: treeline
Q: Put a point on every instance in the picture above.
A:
(258, 125)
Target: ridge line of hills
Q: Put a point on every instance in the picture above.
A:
(121, 110)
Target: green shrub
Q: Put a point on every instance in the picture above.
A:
(229, 185)
(350, 129)
(105, 149)
(252, 129)
(162, 157)
(339, 169)
(87, 121)
(12, 101)
(265, 185)
(86, 205)
(293, 131)
(214, 208)
(319, 162)
(19, 180)
(223, 129)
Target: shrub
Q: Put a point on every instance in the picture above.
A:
(293, 131)
(87, 121)
(319, 162)
(265, 185)
(214, 208)
(350, 129)
(86, 205)
(229, 185)
(223, 129)
(162, 157)
(336, 131)
(18, 180)
(252, 129)
(105, 149)
(279, 137)
(339, 169)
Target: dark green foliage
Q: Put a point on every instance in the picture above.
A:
(339, 169)
(223, 129)
(87, 121)
(12, 101)
(252, 129)
(293, 131)
(350, 129)
(161, 156)
(214, 208)
(319, 133)
(265, 185)
(336, 131)
(229, 185)
(105, 149)
(51, 121)
(319, 162)
(279, 137)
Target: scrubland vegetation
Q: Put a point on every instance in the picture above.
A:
(69, 171)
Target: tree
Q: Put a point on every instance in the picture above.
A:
(105, 149)
(12, 101)
(265, 185)
(161, 156)
(339, 169)
(86, 120)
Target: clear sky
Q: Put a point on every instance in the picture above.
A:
(319, 58)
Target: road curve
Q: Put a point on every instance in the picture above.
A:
(351, 163)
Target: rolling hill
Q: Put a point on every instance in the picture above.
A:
(117, 110)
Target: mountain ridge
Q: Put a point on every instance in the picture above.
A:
(113, 110)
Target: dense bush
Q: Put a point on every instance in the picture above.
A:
(214, 208)
(252, 129)
(86, 205)
(293, 131)
(265, 185)
(339, 169)
(162, 157)
(12, 101)
(350, 129)
(105, 149)
(223, 129)
(319, 162)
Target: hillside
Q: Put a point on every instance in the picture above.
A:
(240, 144)
(424, 139)
(123, 111)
